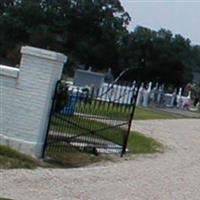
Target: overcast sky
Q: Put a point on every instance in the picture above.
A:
(182, 17)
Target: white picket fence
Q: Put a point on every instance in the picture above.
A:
(116, 93)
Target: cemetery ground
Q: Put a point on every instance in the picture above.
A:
(173, 174)
(141, 113)
(11, 159)
(138, 144)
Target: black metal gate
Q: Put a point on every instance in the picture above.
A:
(91, 119)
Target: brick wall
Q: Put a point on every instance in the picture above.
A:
(25, 99)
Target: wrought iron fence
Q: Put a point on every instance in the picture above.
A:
(95, 119)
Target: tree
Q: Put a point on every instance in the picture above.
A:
(86, 30)
(93, 33)
(166, 58)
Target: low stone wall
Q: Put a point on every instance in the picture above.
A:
(26, 97)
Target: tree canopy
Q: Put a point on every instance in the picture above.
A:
(94, 33)
(168, 59)
(86, 30)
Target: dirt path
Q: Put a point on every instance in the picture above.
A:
(169, 176)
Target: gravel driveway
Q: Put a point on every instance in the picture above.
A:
(169, 176)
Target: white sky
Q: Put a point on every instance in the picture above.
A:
(182, 17)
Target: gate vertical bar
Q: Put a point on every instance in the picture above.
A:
(50, 117)
(130, 122)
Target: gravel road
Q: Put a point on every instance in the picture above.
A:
(173, 175)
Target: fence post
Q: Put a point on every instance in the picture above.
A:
(26, 101)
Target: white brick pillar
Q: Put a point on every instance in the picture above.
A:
(39, 72)
(30, 99)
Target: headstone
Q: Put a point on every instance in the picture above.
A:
(146, 94)
(140, 95)
(186, 101)
(84, 78)
(179, 98)
(169, 99)
(108, 77)
(160, 94)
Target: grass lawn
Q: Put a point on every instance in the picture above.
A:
(123, 112)
(137, 144)
(149, 113)
(106, 131)
(102, 108)
(75, 158)
(10, 159)
(140, 144)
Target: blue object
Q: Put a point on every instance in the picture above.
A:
(69, 109)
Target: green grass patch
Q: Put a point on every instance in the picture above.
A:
(122, 112)
(75, 158)
(137, 143)
(149, 113)
(10, 159)
(141, 144)
(102, 108)
(77, 125)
